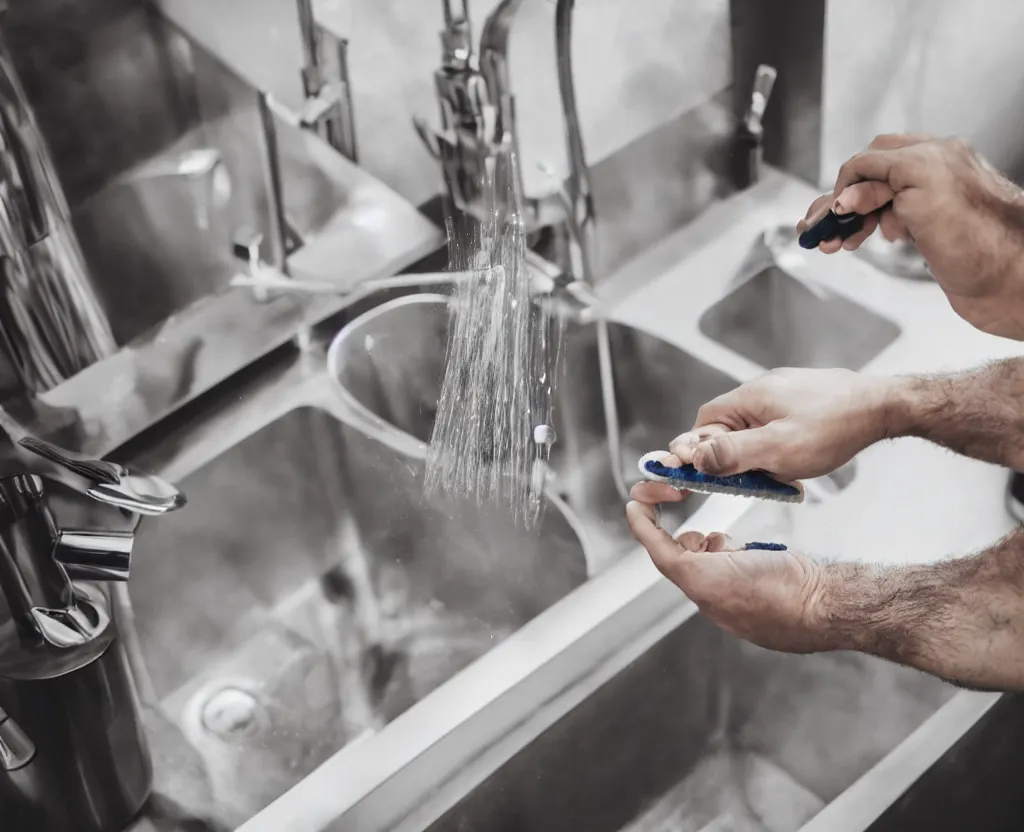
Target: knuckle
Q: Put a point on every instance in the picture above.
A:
(704, 412)
(884, 140)
(960, 145)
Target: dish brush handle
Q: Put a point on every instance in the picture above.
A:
(834, 225)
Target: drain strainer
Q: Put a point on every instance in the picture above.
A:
(232, 714)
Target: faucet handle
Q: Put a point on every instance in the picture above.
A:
(98, 470)
(246, 247)
(106, 482)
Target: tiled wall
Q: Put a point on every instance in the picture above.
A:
(942, 66)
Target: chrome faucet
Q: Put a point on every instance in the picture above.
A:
(264, 278)
(51, 323)
(476, 106)
(325, 80)
(478, 122)
(73, 754)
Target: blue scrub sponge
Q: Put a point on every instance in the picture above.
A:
(748, 484)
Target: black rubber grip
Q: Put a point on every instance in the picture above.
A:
(829, 227)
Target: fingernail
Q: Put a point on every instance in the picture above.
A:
(702, 455)
(838, 208)
(698, 459)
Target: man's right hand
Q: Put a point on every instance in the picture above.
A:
(965, 219)
(793, 423)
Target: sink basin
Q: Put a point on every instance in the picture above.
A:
(157, 243)
(704, 732)
(775, 320)
(310, 594)
(390, 363)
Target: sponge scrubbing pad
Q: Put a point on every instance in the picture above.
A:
(756, 484)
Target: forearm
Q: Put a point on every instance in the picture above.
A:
(979, 414)
(962, 619)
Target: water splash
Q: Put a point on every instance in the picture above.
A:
(492, 435)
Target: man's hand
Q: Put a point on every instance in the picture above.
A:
(794, 424)
(965, 219)
(958, 619)
(766, 597)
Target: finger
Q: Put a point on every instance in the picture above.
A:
(683, 445)
(692, 541)
(742, 450)
(643, 523)
(720, 542)
(863, 198)
(725, 411)
(855, 241)
(892, 227)
(654, 493)
(830, 246)
(892, 141)
(900, 168)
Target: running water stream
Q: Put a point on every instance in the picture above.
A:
(492, 435)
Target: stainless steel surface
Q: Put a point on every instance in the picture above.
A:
(948, 775)
(16, 749)
(544, 277)
(64, 676)
(311, 576)
(54, 625)
(52, 323)
(775, 320)
(580, 215)
(471, 136)
(270, 166)
(164, 279)
(390, 362)
(325, 80)
(91, 771)
(186, 328)
(405, 776)
(704, 730)
(160, 243)
(104, 481)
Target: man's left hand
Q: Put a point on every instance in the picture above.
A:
(770, 598)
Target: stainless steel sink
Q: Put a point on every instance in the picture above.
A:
(775, 320)
(157, 243)
(704, 732)
(311, 594)
(390, 362)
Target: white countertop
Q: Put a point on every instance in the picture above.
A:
(910, 501)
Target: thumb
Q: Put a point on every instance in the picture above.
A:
(741, 450)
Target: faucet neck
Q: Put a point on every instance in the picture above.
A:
(478, 132)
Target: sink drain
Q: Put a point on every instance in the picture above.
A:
(232, 714)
